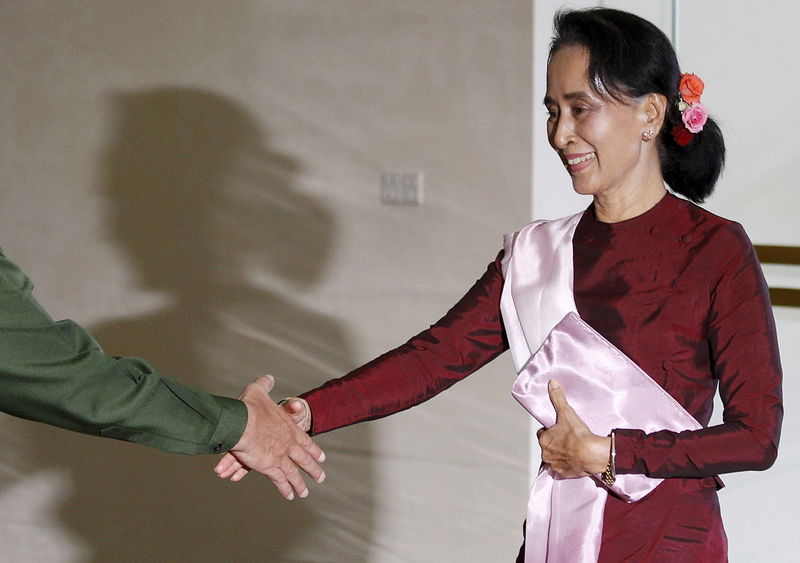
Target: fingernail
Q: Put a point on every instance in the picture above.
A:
(304, 493)
(554, 384)
(321, 478)
(268, 376)
(321, 457)
(290, 497)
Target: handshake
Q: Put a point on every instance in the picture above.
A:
(275, 442)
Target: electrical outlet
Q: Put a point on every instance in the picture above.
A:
(401, 188)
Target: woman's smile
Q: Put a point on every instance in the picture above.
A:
(577, 162)
(599, 137)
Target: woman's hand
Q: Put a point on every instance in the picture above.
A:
(569, 447)
(300, 412)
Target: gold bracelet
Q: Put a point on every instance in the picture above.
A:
(609, 476)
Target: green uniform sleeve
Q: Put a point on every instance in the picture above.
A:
(54, 372)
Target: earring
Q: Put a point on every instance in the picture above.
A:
(647, 136)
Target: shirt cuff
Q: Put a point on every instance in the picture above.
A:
(629, 446)
(231, 425)
(309, 398)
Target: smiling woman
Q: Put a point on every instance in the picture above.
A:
(604, 111)
(673, 287)
(627, 70)
(599, 137)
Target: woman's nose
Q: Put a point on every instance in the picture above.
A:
(561, 133)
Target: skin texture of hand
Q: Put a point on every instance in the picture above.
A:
(569, 447)
(231, 468)
(272, 444)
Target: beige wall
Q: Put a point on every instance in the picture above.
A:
(198, 183)
(750, 91)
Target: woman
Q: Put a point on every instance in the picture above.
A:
(675, 288)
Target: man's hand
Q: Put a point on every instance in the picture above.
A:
(297, 409)
(272, 444)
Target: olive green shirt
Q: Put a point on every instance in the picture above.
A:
(54, 372)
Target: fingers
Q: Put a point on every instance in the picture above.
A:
(559, 399)
(310, 446)
(227, 466)
(265, 383)
(304, 458)
(262, 384)
(295, 479)
(273, 443)
(295, 408)
(281, 482)
(239, 475)
(299, 411)
(287, 478)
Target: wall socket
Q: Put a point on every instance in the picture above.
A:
(401, 188)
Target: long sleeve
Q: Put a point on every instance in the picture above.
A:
(54, 372)
(467, 337)
(744, 358)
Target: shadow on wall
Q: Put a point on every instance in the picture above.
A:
(210, 218)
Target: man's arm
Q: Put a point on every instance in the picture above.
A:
(54, 372)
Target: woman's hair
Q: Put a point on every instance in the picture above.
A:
(630, 57)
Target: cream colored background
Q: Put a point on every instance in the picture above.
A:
(197, 182)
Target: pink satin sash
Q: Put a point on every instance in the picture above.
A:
(607, 389)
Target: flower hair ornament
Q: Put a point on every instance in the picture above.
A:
(693, 114)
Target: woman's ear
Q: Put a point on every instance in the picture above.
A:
(655, 110)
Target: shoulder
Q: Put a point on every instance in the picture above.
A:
(712, 231)
(720, 246)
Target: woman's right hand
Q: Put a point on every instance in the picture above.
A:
(299, 410)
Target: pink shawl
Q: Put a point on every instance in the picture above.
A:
(549, 341)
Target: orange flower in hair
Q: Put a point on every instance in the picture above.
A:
(691, 88)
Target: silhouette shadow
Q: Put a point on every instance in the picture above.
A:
(211, 219)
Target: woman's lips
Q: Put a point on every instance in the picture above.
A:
(577, 162)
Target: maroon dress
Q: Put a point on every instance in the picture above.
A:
(680, 291)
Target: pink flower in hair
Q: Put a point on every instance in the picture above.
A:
(694, 117)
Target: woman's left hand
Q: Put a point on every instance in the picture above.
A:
(569, 447)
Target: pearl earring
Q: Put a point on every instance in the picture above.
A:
(647, 136)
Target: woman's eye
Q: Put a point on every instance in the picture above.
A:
(579, 110)
(552, 114)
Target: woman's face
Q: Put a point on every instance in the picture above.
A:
(598, 138)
